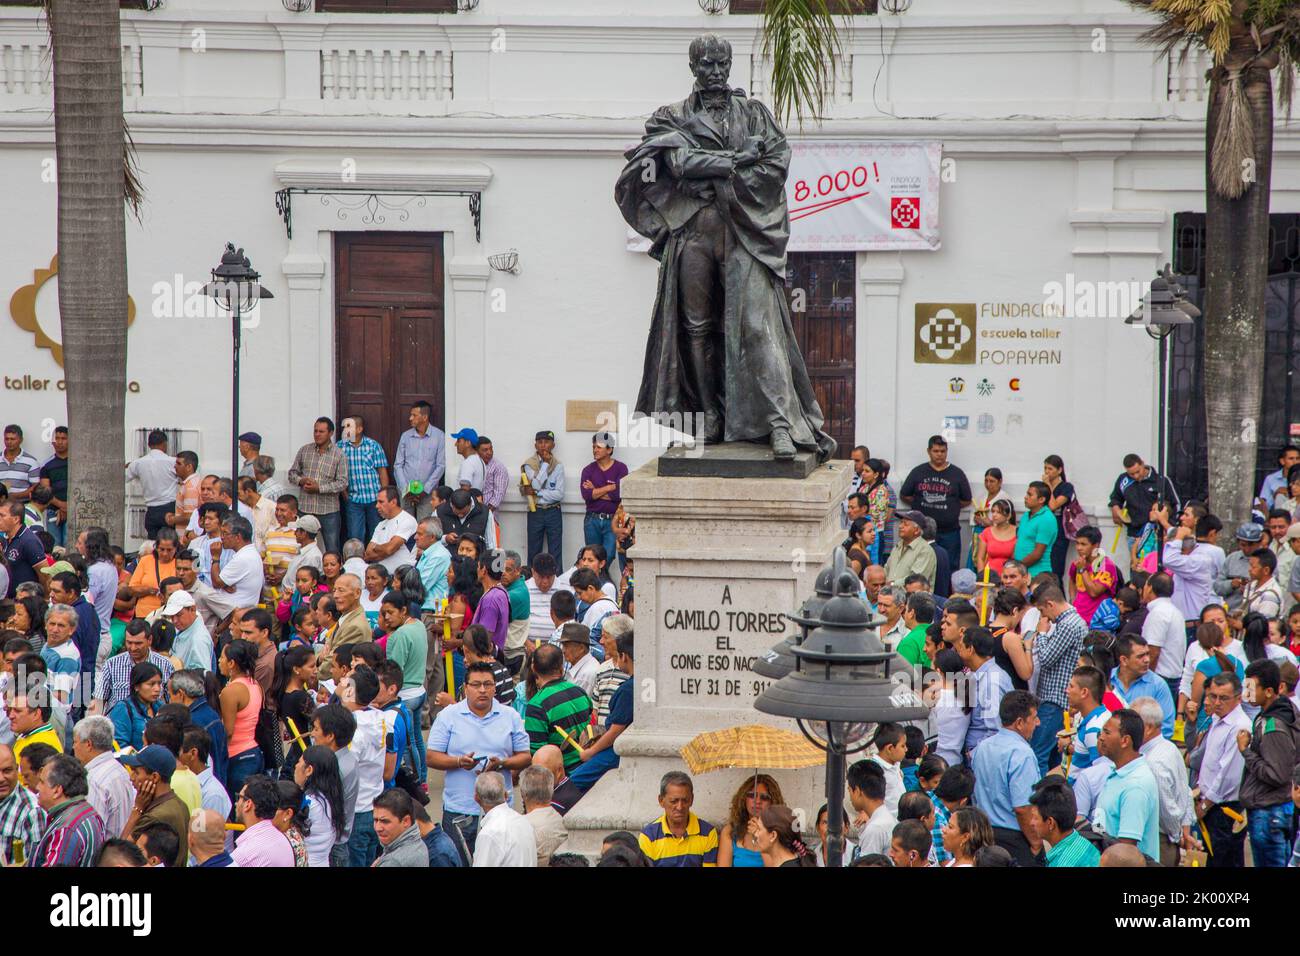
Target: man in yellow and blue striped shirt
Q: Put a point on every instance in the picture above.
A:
(679, 837)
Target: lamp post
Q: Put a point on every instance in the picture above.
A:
(1164, 308)
(780, 659)
(839, 692)
(235, 288)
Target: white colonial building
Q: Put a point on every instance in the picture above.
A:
(377, 166)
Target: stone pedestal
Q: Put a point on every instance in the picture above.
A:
(719, 561)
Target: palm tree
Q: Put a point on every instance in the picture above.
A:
(1247, 40)
(95, 176)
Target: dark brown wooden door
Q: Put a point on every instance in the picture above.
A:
(389, 328)
(824, 325)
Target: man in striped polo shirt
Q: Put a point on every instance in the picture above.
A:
(679, 837)
(557, 709)
(18, 470)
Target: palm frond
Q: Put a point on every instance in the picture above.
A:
(800, 41)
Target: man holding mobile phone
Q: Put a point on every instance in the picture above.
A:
(472, 736)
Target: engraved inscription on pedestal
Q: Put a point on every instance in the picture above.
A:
(710, 630)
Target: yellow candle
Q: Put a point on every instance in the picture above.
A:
(296, 736)
(235, 826)
(571, 742)
(451, 675)
(984, 598)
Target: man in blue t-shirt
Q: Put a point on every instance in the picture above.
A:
(1036, 530)
(599, 758)
(23, 551)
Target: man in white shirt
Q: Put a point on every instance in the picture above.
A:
(306, 534)
(238, 582)
(536, 788)
(579, 666)
(1164, 630)
(873, 827)
(472, 471)
(388, 545)
(156, 473)
(368, 744)
(891, 748)
(541, 585)
(1177, 816)
(1263, 594)
(1222, 765)
(193, 644)
(262, 509)
(505, 838)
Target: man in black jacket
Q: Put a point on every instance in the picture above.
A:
(1269, 750)
(461, 514)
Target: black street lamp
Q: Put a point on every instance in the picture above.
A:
(1164, 308)
(780, 659)
(235, 288)
(839, 692)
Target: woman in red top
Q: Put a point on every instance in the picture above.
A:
(996, 544)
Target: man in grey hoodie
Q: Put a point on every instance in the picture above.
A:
(397, 832)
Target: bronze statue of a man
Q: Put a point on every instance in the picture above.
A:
(707, 186)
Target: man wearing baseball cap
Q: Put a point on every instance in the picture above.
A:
(542, 485)
(912, 554)
(151, 771)
(193, 643)
(306, 533)
(1235, 573)
(250, 446)
(472, 472)
(601, 484)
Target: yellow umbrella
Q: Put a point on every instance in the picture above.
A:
(752, 746)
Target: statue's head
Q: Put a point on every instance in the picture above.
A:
(711, 61)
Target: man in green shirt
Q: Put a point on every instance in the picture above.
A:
(918, 614)
(1036, 530)
(408, 647)
(912, 554)
(559, 710)
(1052, 812)
(520, 610)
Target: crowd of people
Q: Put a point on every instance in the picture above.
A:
(271, 677)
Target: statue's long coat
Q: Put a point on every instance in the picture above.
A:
(765, 383)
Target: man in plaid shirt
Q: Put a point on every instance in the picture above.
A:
(21, 820)
(1061, 631)
(367, 473)
(320, 470)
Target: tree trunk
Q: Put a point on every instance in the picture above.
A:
(88, 138)
(1236, 269)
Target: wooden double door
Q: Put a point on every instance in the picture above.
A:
(389, 312)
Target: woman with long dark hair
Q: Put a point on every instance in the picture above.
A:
(996, 544)
(292, 820)
(774, 834)
(372, 595)
(966, 833)
(1214, 640)
(1062, 493)
(241, 704)
(879, 506)
(317, 773)
(101, 588)
(151, 569)
(29, 620)
(860, 544)
(982, 513)
(464, 593)
(141, 705)
(292, 688)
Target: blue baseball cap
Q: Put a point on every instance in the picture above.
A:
(468, 434)
(1250, 532)
(154, 758)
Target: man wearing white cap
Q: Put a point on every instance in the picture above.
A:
(193, 644)
(309, 553)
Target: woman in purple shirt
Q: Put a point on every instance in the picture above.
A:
(601, 481)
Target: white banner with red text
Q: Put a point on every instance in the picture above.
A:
(859, 195)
